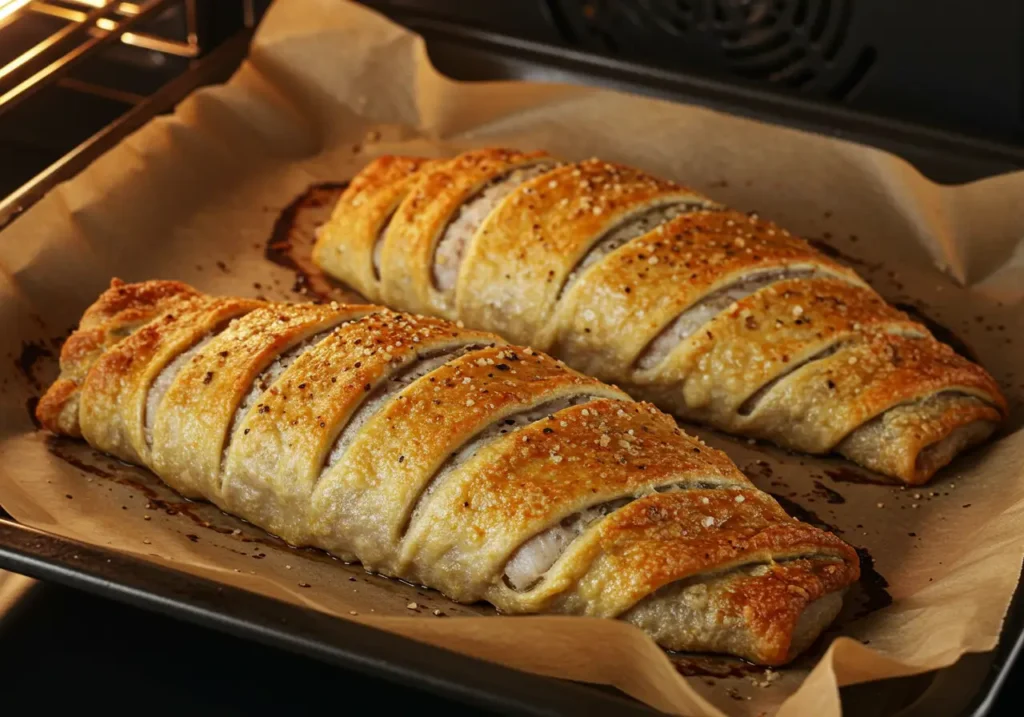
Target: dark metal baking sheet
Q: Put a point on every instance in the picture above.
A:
(482, 685)
(486, 686)
(1005, 658)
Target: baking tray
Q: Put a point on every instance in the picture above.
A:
(470, 54)
(482, 685)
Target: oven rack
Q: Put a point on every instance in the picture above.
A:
(88, 28)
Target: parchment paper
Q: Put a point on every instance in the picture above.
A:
(196, 196)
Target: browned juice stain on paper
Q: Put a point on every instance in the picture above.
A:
(871, 593)
(939, 331)
(831, 496)
(291, 242)
(803, 514)
(33, 358)
(161, 497)
(873, 588)
(833, 253)
(845, 474)
(66, 449)
(32, 352)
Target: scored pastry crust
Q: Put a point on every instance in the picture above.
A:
(444, 456)
(376, 193)
(433, 201)
(717, 316)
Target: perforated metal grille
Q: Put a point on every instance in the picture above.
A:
(800, 44)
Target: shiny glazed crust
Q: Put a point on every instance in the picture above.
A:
(437, 454)
(717, 316)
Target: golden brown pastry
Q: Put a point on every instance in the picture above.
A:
(720, 317)
(446, 457)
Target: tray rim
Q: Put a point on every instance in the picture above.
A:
(345, 643)
(125, 578)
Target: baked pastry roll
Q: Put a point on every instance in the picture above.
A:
(446, 457)
(720, 317)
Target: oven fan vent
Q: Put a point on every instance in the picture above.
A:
(802, 45)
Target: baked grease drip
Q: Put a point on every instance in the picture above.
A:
(939, 331)
(844, 474)
(291, 242)
(59, 446)
(867, 595)
(830, 496)
(803, 514)
(872, 587)
(32, 352)
(77, 455)
(833, 253)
